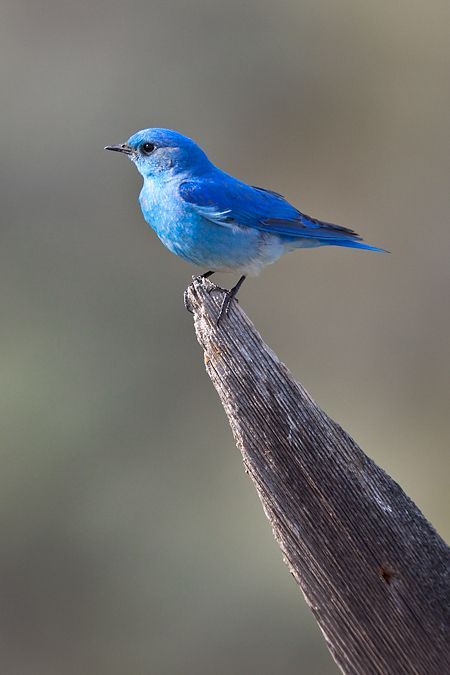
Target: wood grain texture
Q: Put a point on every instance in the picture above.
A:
(373, 570)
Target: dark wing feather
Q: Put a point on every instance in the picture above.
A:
(224, 200)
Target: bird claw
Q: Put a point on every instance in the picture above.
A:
(225, 307)
(187, 304)
(226, 302)
(205, 275)
(197, 278)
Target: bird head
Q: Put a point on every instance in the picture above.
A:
(160, 152)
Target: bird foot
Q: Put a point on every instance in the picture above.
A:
(187, 304)
(226, 302)
(205, 275)
(225, 306)
(196, 277)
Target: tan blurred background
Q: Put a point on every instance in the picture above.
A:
(131, 540)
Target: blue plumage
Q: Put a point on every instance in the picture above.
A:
(232, 201)
(214, 220)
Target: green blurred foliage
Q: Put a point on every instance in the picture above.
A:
(132, 541)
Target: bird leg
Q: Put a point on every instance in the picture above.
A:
(205, 275)
(228, 298)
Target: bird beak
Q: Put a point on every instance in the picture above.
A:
(121, 148)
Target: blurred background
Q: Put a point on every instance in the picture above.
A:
(132, 541)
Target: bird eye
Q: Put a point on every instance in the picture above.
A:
(147, 148)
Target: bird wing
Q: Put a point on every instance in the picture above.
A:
(227, 201)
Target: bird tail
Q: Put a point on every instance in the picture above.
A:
(354, 243)
(316, 232)
(338, 235)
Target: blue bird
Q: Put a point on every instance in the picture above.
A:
(213, 220)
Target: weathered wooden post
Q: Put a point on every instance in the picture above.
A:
(373, 570)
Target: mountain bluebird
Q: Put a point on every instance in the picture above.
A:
(213, 220)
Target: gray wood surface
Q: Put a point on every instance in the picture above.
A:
(373, 571)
